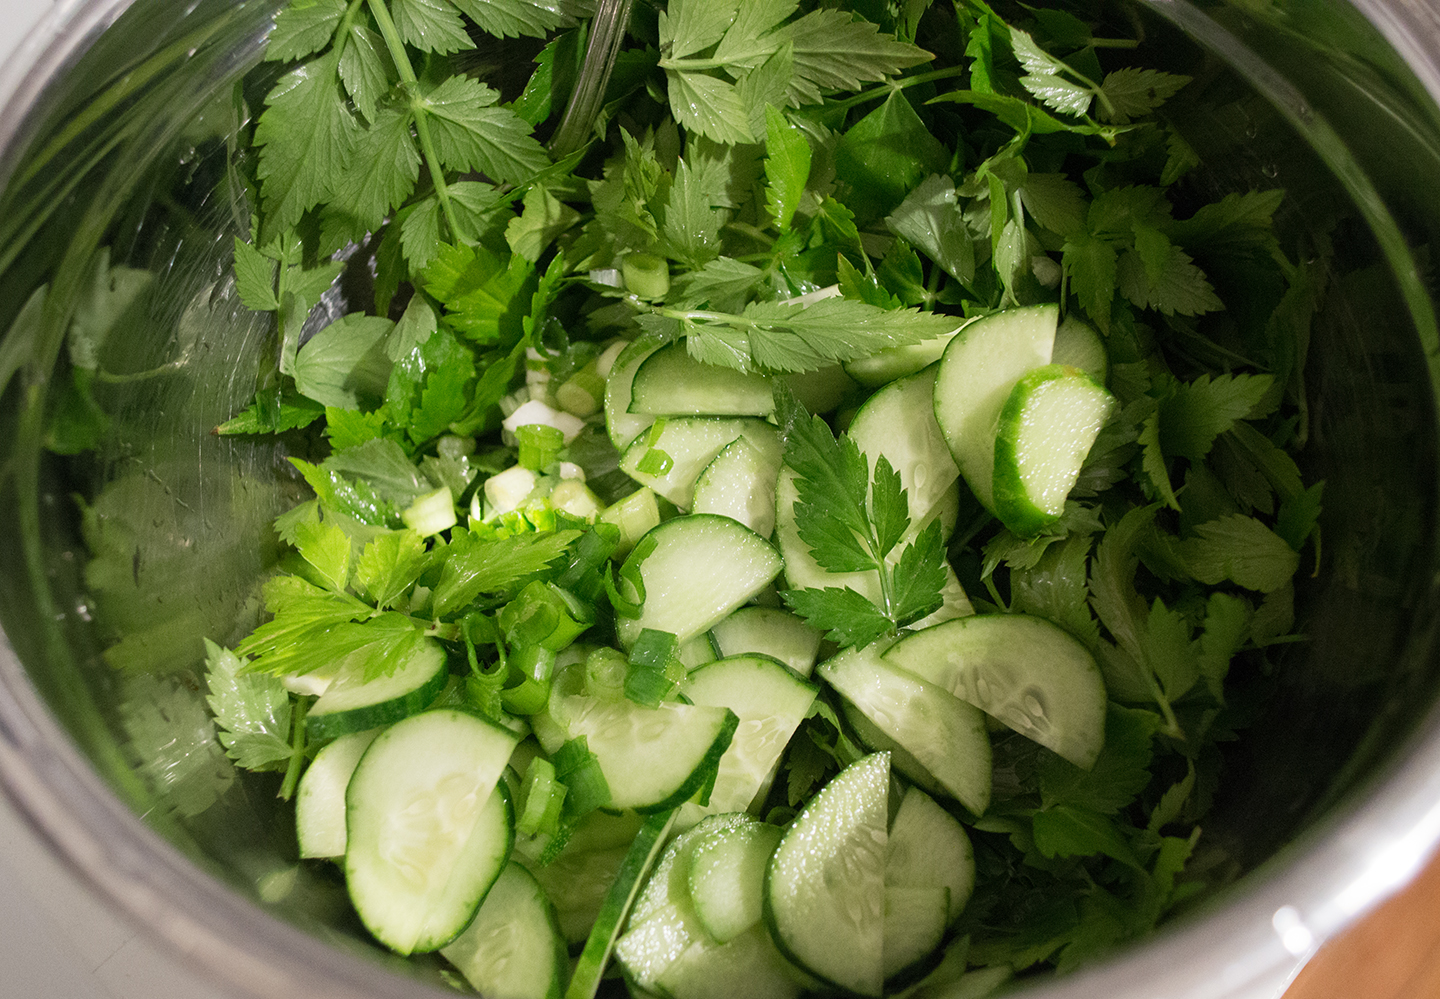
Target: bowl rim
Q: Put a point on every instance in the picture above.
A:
(1369, 846)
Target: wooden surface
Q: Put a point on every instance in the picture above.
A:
(1394, 953)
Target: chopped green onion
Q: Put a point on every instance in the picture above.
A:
(584, 392)
(605, 674)
(431, 513)
(646, 275)
(590, 554)
(540, 801)
(635, 516)
(655, 462)
(529, 697)
(540, 444)
(649, 680)
(545, 614)
(653, 649)
(534, 662)
(579, 770)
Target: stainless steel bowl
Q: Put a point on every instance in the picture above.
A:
(117, 121)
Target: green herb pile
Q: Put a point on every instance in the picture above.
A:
(936, 162)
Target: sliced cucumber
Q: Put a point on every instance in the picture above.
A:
(622, 425)
(727, 877)
(747, 966)
(577, 880)
(926, 848)
(512, 949)
(824, 887)
(801, 569)
(975, 984)
(320, 801)
(896, 362)
(700, 569)
(353, 704)
(953, 602)
(672, 383)
(739, 482)
(662, 922)
(915, 920)
(636, 515)
(945, 734)
(653, 758)
(769, 631)
(698, 651)
(1078, 345)
(1046, 429)
(770, 702)
(977, 372)
(1022, 670)
(870, 737)
(822, 389)
(683, 446)
(428, 827)
(640, 858)
(898, 422)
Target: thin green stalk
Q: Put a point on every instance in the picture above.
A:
(396, 46)
(297, 750)
(885, 89)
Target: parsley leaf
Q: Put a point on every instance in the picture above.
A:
(852, 519)
(1132, 92)
(474, 564)
(793, 337)
(1242, 550)
(252, 710)
(307, 137)
(787, 167)
(1197, 412)
(930, 218)
(1120, 773)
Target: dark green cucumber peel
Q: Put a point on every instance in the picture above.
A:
(628, 880)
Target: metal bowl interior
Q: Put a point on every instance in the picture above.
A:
(116, 146)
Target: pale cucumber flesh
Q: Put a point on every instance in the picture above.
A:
(1022, 670)
(824, 888)
(977, 372)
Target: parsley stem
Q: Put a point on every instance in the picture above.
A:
(297, 750)
(885, 89)
(396, 45)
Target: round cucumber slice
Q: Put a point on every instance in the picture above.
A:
(739, 483)
(1046, 429)
(915, 918)
(748, 966)
(899, 422)
(977, 372)
(1080, 346)
(825, 885)
(770, 702)
(1022, 670)
(622, 425)
(769, 631)
(354, 704)
(320, 801)
(727, 877)
(944, 733)
(672, 383)
(652, 758)
(512, 949)
(926, 848)
(700, 569)
(428, 827)
(662, 921)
